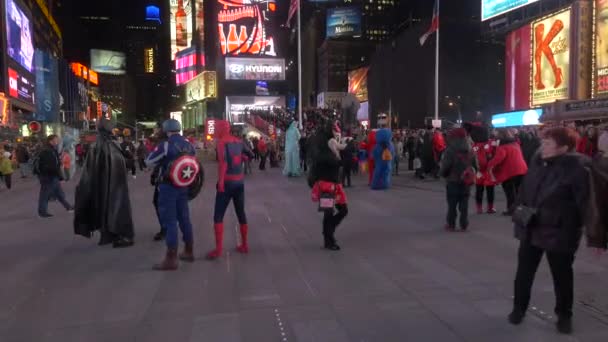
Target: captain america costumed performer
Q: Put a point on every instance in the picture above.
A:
(230, 186)
(179, 169)
(383, 155)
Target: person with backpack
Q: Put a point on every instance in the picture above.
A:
(459, 168)
(178, 170)
(47, 166)
(6, 169)
(230, 187)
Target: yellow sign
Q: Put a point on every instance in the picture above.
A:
(551, 58)
(3, 110)
(149, 60)
(203, 86)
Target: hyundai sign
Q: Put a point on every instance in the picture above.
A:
(519, 118)
(255, 69)
(494, 8)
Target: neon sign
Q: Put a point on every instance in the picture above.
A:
(242, 27)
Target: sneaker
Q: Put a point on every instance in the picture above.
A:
(491, 210)
(564, 325)
(45, 215)
(516, 317)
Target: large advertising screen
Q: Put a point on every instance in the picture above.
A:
(601, 48)
(19, 36)
(357, 83)
(243, 27)
(518, 68)
(108, 62)
(180, 25)
(520, 118)
(185, 65)
(343, 22)
(258, 69)
(551, 58)
(21, 85)
(47, 87)
(203, 86)
(494, 8)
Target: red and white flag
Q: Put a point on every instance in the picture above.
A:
(293, 8)
(434, 24)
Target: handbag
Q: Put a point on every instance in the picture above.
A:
(524, 215)
(327, 201)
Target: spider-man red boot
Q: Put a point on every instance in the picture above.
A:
(219, 241)
(243, 247)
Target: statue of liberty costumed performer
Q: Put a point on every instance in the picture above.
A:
(292, 151)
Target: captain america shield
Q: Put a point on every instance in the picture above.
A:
(183, 171)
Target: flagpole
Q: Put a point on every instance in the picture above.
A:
(437, 68)
(299, 69)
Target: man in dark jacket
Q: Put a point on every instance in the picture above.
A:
(102, 195)
(23, 157)
(347, 156)
(457, 164)
(50, 175)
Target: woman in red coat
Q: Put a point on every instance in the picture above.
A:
(508, 167)
(484, 151)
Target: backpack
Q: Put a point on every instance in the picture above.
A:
(386, 154)
(468, 175)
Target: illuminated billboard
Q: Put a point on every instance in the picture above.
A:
(180, 25)
(550, 58)
(21, 85)
(601, 48)
(357, 83)
(518, 68)
(494, 8)
(19, 36)
(520, 118)
(242, 27)
(108, 62)
(343, 22)
(149, 65)
(203, 86)
(185, 65)
(258, 69)
(199, 23)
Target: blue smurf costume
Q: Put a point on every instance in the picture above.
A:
(292, 151)
(383, 153)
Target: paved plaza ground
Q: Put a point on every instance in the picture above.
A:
(399, 276)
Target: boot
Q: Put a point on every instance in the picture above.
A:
(330, 243)
(170, 262)
(219, 241)
(564, 325)
(516, 317)
(244, 247)
(188, 254)
(479, 208)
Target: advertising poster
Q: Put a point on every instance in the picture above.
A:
(47, 87)
(108, 62)
(521, 118)
(21, 85)
(343, 22)
(259, 69)
(200, 25)
(243, 27)
(180, 13)
(19, 36)
(494, 8)
(203, 86)
(357, 83)
(185, 66)
(551, 58)
(601, 48)
(518, 69)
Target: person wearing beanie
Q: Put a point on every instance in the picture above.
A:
(458, 166)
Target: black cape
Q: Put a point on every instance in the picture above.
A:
(102, 195)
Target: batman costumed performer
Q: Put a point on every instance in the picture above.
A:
(178, 170)
(230, 186)
(292, 151)
(383, 155)
(102, 195)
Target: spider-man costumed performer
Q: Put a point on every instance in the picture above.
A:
(230, 186)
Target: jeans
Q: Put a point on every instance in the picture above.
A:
(155, 203)
(235, 192)
(346, 172)
(528, 258)
(331, 221)
(479, 189)
(263, 161)
(173, 209)
(458, 197)
(511, 188)
(24, 169)
(50, 187)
